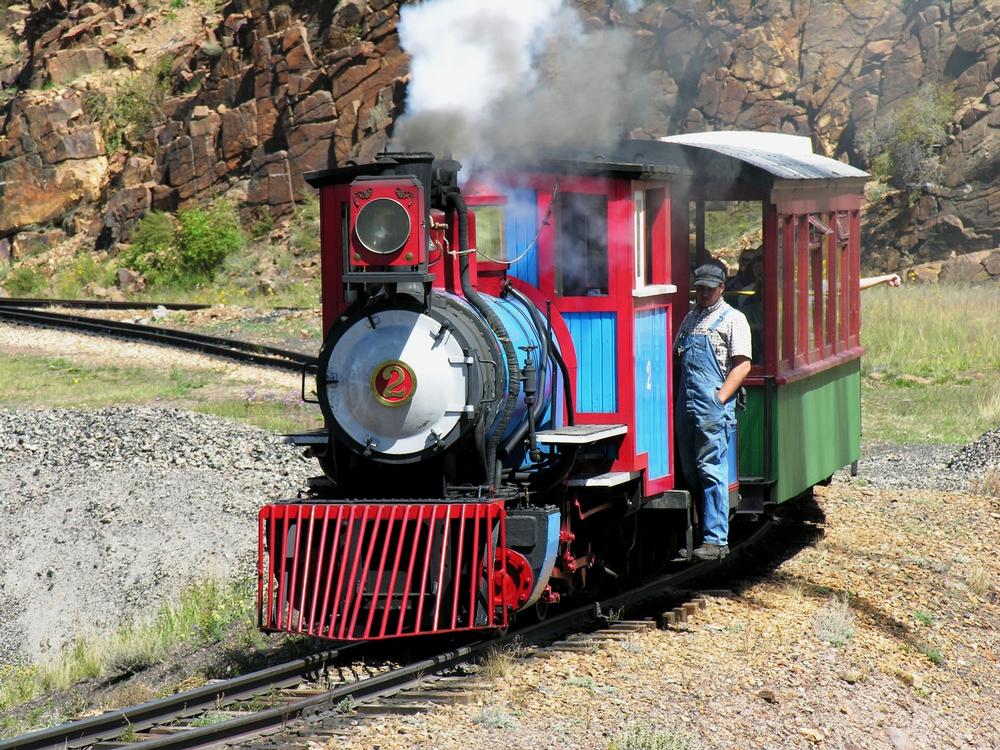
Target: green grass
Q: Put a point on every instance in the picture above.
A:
(23, 281)
(201, 614)
(48, 382)
(931, 371)
(282, 416)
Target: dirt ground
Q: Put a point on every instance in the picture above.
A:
(905, 582)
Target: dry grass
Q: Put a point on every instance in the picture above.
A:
(988, 484)
(641, 736)
(834, 623)
(500, 660)
(979, 581)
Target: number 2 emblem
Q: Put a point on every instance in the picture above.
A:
(393, 383)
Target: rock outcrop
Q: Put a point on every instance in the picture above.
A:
(262, 92)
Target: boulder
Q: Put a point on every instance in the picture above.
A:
(992, 263)
(130, 281)
(239, 130)
(67, 65)
(37, 192)
(124, 210)
(965, 268)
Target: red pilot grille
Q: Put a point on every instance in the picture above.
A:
(364, 571)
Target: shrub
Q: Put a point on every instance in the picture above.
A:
(69, 280)
(902, 147)
(185, 252)
(153, 252)
(834, 623)
(306, 233)
(639, 736)
(24, 281)
(206, 237)
(130, 111)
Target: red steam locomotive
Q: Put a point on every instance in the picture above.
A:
(497, 389)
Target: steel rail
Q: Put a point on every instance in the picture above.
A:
(242, 351)
(91, 304)
(112, 724)
(147, 715)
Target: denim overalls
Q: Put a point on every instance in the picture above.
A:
(703, 427)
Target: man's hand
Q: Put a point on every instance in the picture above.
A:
(741, 368)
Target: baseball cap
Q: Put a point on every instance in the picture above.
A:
(709, 275)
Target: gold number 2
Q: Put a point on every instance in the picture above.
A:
(395, 379)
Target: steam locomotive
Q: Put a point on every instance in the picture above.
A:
(496, 383)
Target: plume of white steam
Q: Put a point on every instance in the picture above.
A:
(498, 78)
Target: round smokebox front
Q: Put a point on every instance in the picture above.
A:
(398, 389)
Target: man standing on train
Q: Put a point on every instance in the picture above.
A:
(713, 354)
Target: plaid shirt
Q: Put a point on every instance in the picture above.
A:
(731, 339)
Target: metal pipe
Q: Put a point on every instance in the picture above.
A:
(455, 200)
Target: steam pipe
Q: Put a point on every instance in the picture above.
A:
(454, 198)
(539, 408)
(553, 352)
(530, 390)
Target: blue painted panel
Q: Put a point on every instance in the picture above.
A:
(521, 226)
(595, 338)
(651, 377)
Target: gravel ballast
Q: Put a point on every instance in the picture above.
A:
(109, 512)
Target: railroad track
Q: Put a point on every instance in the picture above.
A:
(92, 304)
(295, 705)
(233, 349)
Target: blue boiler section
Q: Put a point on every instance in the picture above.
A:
(523, 334)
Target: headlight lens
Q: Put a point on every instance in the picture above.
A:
(383, 226)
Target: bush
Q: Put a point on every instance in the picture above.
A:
(185, 252)
(903, 145)
(205, 239)
(834, 623)
(70, 280)
(641, 736)
(305, 235)
(129, 112)
(24, 281)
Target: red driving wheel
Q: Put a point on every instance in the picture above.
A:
(513, 582)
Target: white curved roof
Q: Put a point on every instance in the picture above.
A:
(787, 157)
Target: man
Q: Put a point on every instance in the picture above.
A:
(713, 352)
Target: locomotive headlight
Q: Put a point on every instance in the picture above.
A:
(382, 226)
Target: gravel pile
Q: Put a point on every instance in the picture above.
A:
(930, 467)
(900, 467)
(979, 456)
(107, 512)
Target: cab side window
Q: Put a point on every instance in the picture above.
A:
(581, 245)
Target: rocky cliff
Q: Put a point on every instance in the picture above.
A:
(112, 109)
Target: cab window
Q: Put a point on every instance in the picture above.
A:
(581, 245)
(489, 233)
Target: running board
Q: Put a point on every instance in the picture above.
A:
(580, 434)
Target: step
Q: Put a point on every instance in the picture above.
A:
(580, 434)
(608, 479)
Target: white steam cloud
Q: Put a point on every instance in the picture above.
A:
(492, 78)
